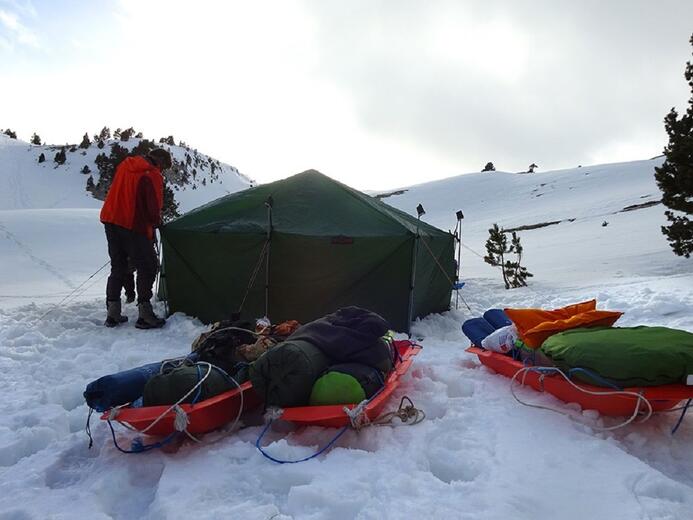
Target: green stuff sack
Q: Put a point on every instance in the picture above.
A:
(336, 388)
(626, 356)
(346, 383)
(285, 374)
(169, 387)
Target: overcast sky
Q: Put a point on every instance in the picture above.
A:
(377, 94)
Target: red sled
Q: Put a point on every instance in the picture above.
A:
(661, 398)
(205, 416)
(333, 416)
(213, 413)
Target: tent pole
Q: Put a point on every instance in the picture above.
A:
(458, 234)
(420, 211)
(269, 202)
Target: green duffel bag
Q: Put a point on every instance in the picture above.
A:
(169, 387)
(625, 356)
(285, 374)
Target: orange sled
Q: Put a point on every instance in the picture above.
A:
(661, 398)
(333, 416)
(205, 416)
(215, 412)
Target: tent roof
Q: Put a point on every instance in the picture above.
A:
(309, 203)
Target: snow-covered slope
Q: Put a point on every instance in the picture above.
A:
(50, 236)
(29, 184)
(604, 221)
(478, 454)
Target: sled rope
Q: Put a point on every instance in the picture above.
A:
(683, 413)
(181, 419)
(405, 413)
(281, 461)
(544, 371)
(358, 419)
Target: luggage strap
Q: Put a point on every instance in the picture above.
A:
(180, 422)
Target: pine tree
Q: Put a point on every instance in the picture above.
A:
(10, 133)
(531, 168)
(35, 139)
(86, 143)
(90, 184)
(170, 209)
(105, 134)
(489, 167)
(60, 157)
(116, 134)
(517, 274)
(86, 170)
(41, 158)
(497, 249)
(126, 134)
(675, 176)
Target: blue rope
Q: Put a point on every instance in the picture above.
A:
(329, 444)
(678, 423)
(323, 449)
(280, 461)
(595, 377)
(137, 446)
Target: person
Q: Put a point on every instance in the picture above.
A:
(130, 213)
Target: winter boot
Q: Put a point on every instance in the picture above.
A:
(147, 319)
(113, 315)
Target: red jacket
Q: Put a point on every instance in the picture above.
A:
(136, 197)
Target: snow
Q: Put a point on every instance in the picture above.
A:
(477, 455)
(34, 185)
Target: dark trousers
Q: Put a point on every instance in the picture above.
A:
(129, 281)
(124, 244)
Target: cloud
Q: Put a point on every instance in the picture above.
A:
(25, 7)
(17, 33)
(514, 82)
(377, 94)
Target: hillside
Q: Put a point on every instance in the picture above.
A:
(587, 225)
(195, 178)
(50, 236)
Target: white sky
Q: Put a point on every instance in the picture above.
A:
(377, 94)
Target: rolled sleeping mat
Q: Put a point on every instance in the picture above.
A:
(476, 329)
(120, 388)
(497, 318)
(346, 383)
(171, 386)
(284, 375)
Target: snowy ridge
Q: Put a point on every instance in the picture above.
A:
(590, 239)
(34, 185)
(478, 455)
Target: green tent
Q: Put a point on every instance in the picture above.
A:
(301, 248)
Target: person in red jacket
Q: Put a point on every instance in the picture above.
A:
(130, 213)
